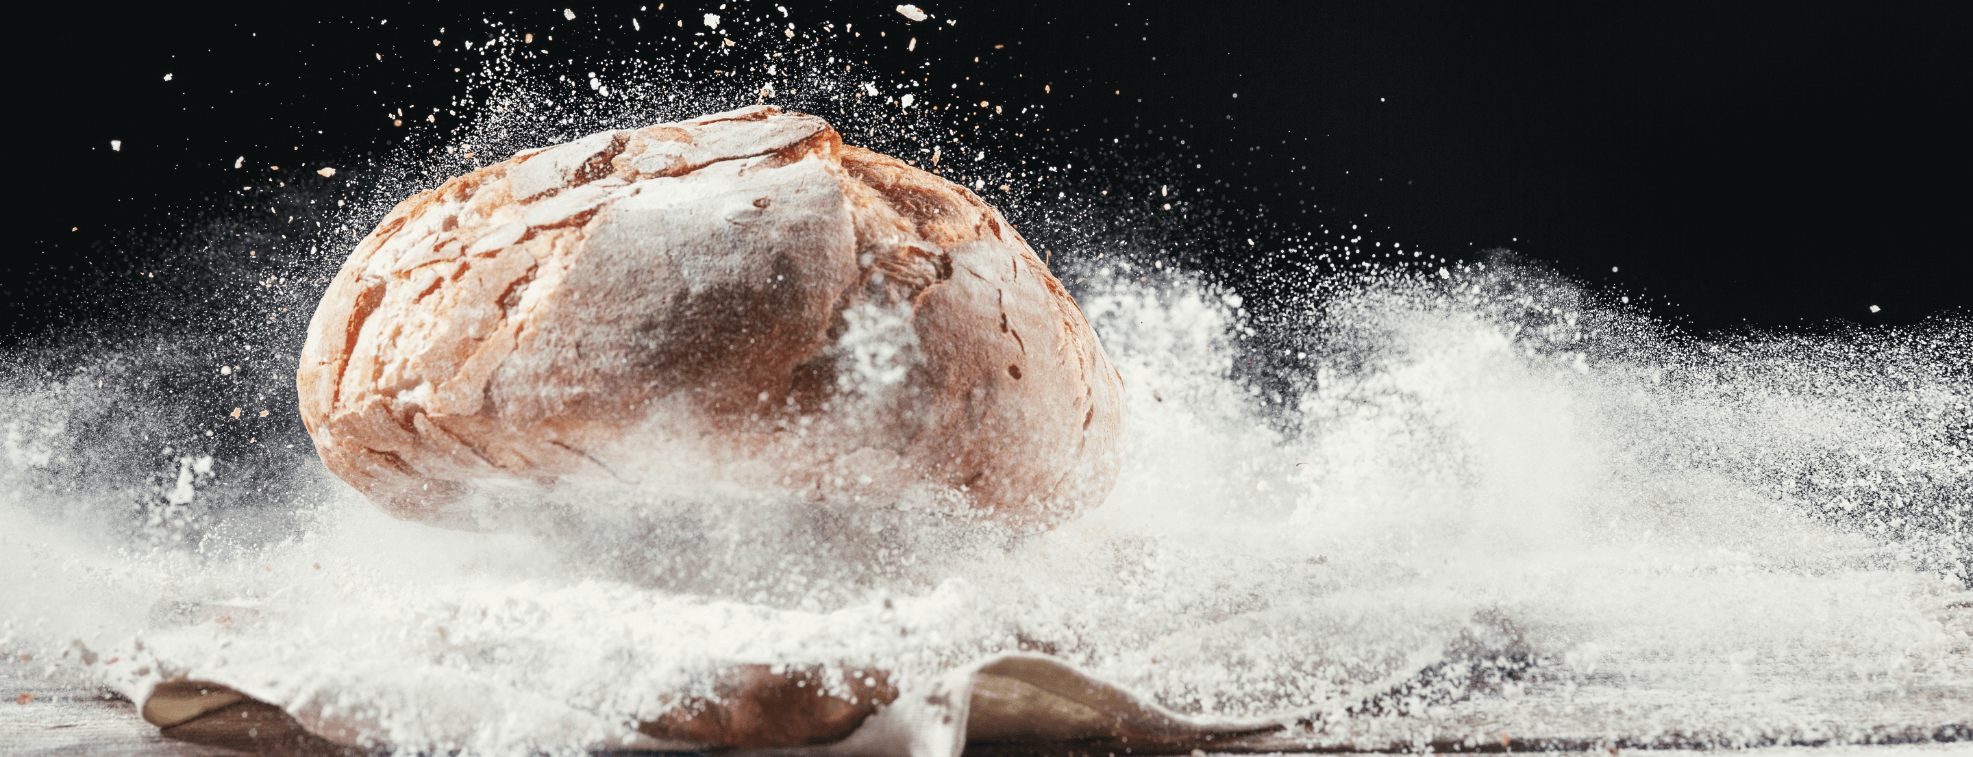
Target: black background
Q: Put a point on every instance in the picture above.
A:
(1780, 165)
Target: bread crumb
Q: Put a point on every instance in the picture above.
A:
(911, 12)
(24, 698)
(236, 413)
(263, 413)
(326, 172)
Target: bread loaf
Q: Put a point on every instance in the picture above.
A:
(737, 300)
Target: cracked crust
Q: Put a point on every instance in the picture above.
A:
(699, 297)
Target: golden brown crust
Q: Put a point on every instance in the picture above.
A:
(808, 316)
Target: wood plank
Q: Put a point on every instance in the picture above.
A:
(52, 717)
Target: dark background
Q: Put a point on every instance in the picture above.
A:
(1740, 165)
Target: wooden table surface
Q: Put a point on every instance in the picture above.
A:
(50, 717)
(61, 718)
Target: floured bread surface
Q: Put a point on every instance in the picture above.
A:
(737, 300)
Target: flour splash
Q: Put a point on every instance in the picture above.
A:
(1425, 498)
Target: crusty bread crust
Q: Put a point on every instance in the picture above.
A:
(798, 315)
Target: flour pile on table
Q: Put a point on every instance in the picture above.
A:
(1641, 516)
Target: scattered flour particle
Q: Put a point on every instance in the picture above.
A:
(712, 21)
(913, 45)
(116, 145)
(1874, 308)
(634, 25)
(911, 12)
(239, 161)
(167, 77)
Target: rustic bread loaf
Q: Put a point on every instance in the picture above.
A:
(738, 300)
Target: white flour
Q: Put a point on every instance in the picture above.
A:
(1659, 534)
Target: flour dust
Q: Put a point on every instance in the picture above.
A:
(1558, 514)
